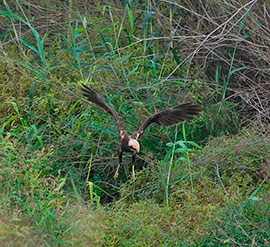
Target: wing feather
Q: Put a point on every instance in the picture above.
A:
(170, 117)
(94, 97)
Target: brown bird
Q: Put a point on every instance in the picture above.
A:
(168, 117)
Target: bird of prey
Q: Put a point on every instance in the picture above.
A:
(129, 143)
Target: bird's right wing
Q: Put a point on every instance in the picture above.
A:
(170, 117)
(94, 97)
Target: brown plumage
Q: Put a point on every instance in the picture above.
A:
(168, 117)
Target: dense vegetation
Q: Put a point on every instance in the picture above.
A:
(201, 183)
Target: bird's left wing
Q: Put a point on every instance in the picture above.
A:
(170, 117)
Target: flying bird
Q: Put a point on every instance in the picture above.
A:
(129, 143)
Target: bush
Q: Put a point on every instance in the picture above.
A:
(32, 200)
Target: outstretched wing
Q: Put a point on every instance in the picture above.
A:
(170, 117)
(94, 97)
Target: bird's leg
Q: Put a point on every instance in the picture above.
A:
(127, 169)
(120, 154)
(133, 166)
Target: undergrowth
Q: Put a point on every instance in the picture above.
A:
(203, 183)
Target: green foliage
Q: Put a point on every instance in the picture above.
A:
(229, 202)
(28, 192)
(147, 224)
(242, 225)
(178, 147)
(58, 153)
(240, 159)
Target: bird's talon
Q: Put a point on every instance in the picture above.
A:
(133, 178)
(116, 175)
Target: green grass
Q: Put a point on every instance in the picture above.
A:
(203, 183)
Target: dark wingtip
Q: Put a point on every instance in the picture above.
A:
(85, 88)
(87, 91)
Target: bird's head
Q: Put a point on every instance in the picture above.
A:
(134, 145)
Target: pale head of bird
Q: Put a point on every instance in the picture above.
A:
(134, 144)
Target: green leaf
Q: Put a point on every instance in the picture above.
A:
(9, 14)
(131, 18)
(170, 144)
(149, 15)
(4, 34)
(34, 179)
(15, 107)
(7, 123)
(132, 71)
(181, 150)
(235, 70)
(176, 57)
(37, 72)
(183, 159)
(103, 129)
(126, 57)
(31, 94)
(29, 46)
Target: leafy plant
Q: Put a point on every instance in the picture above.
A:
(178, 147)
(38, 48)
